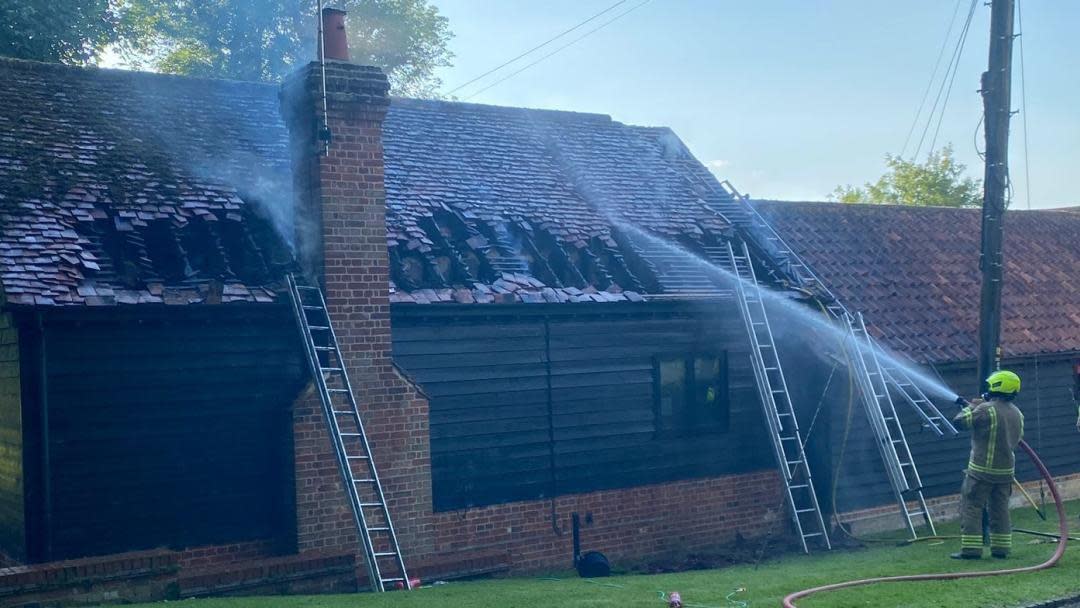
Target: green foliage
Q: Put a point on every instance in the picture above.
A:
(764, 584)
(938, 182)
(266, 39)
(68, 31)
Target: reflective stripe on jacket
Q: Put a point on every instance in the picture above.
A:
(996, 429)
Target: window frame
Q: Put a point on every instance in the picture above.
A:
(681, 424)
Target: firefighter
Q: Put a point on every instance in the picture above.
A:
(997, 426)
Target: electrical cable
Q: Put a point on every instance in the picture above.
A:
(561, 48)
(1023, 106)
(534, 49)
(1063, 541)
(952, 79)
(933, 77)
(948, 76)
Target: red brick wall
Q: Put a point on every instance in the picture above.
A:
(342, 208)
(341, 204)
(627, 524)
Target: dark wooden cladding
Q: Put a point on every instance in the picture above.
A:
(533, 401)
(169, 431)
(1049, 427)
(12, 497)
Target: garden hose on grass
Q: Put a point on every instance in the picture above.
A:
(1063, 541)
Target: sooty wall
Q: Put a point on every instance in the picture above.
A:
(532, 400)
(166, 429)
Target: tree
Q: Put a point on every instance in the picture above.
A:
(266, 39)
(938, 182)
(67, 31)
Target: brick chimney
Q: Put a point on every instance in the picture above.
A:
(341, 230)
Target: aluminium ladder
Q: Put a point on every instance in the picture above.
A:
(382, 554)
(885, 424)
(788, 445)
(737, 210)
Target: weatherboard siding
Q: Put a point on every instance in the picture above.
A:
(12, 513)
(532, 401)
(169, 433)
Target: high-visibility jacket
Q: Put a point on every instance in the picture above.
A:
(996, 429)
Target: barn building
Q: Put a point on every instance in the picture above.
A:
(522, 348)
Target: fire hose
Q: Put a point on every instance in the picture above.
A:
(1063, 540)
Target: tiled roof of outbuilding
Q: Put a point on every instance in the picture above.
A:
(913, 271)
(124, 187)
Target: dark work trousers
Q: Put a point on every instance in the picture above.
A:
(976, 494)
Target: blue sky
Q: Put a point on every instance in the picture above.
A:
(786, 98)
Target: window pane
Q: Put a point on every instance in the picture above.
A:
(672, 390)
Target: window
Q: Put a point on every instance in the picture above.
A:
(692, 394)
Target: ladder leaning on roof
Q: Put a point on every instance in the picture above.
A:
(874, 380)
(787, 442)
(382, 554)
(891, 440)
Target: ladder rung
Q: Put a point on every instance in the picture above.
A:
(386, 554)
(318, 327)
(358, 458)
(363, 481)
(351, 434)
(330, 369)
(307, 307)
(393, 580)
(371, 504)
(337, 390)
(379, 529)
(800, 511)
(343, 412)
(915, 513)
(324, 348)
(306, 288)
(799, 487)
(812, 534)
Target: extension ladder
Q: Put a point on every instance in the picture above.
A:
(885, 424)
(787, 442)
(381, 550)
(734, 207)
(737, 210)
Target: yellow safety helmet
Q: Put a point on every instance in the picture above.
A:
(1003, 381)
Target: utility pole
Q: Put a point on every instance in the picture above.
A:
(996, 94)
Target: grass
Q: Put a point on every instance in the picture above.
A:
(764, 586)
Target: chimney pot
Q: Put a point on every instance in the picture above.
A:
(335, 40)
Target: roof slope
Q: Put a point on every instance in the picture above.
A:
(120, 187)
(913, 271)
(125, 187)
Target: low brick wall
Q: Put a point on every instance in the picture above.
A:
(157, 575)
(627, 524)
(131, 577)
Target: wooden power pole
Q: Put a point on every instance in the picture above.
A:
(996, 94)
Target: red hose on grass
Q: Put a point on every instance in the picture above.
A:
(1063, 540)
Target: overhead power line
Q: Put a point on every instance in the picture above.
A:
(563, 47)
(933, 77)
(1023, 105)
(535, 48)
(946, 84)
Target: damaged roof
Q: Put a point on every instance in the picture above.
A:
(125, 187)
(913, 272)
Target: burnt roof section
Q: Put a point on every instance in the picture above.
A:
(489, 203)
(120, 187)
(913, 271)
(125, 187)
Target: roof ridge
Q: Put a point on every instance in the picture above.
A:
(94, 71)
(466, 106)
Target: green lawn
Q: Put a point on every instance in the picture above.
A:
(764, 586)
